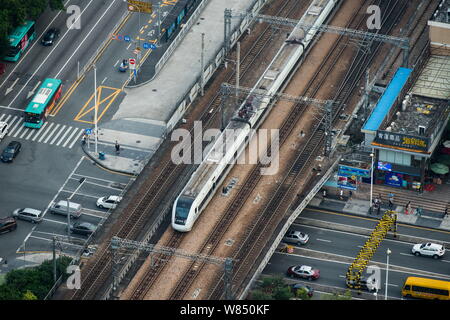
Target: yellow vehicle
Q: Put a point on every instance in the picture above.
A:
(426, 288)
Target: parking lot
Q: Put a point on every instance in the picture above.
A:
(37, 239)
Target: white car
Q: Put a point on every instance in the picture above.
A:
(428, 249)
(109, 202)
(3, 129)
(296, 237)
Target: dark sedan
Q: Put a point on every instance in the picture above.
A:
(84, 228)
(50, 36)
(11, 151)
(296, 287)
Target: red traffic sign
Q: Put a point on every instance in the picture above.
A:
(132, 61)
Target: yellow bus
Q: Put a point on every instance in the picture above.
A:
(426, 288)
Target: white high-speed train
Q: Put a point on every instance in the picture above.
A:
(219, 160)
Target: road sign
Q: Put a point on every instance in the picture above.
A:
(149, 46)
(139, 6)
(127, 38)
(132, 63)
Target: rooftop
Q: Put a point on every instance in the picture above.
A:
(418, 118)
(442, 13)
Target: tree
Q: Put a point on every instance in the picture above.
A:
(302, 294)
(271, 288)
(260, 295)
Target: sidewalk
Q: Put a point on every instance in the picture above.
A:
(359, 207)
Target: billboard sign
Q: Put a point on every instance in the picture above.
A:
(393, 179)
(347, 182)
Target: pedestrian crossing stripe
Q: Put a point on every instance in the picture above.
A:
(50, 133)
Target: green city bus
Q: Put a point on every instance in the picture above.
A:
(20, 39)
(43, 102)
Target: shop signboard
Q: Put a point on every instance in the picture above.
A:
(402, 140)
(384, 166)
(347, 171)
(347, 182)
(393, 179)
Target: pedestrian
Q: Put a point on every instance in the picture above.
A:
(419, 211)
(350, 194)
(378, 210)
(324, 193)
(445, 213)
(408, 208)
(391, 203)
(117, 147)
(341, 194)
(83, 142)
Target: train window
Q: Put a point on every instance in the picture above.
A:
(183, 206)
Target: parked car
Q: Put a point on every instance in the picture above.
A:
(3, 129)
(296, 237)
(60, 207)
(366, 284)
(428, 249)
(28, 214)
(298, 286)
(7, 224)
(50, 37)
(2, 68)
(109, 202)
(84, 228)
(11, 151)
(305, 272)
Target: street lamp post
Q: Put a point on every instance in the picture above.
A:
(371, 182)
(388, 252)
(81, 181)
(95, 108)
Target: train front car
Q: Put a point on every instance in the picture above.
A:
(182, 217)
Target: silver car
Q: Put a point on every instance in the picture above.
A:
(296, 237)
(28, 214)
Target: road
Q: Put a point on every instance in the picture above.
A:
(51, 161)
(332, 251)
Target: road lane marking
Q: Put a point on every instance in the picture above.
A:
(51, 133)
(70, 137)
(81, 194)
(76, 138)
(57, 135)
(17, 64)
(31, 133)
(323, 240)
(104, 80)
(92, 29)
(115, 65)
(445, 261)
(17, 123)
(54, 221)
(375, 220)
(46, 131)
(63, 242)
(18, 131)
(62, 187)
(406, 254)
(94, 178)
(48, 56)
(41, 130)
(28, 130)
(11, 88)
(409, 270)
(30, 93)
(64, 135)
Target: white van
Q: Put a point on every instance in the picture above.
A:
(3, 129)
(60, 207)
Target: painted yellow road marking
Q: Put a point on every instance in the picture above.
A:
(169, 3)
(374, 220)
(103, 104)
(71, 90)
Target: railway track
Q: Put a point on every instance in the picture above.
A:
(248, 253)
(249, 59)
(297, 111)
(137, 213)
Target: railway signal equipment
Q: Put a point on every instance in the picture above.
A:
(118, 243)
(387, 223)
(361, 35)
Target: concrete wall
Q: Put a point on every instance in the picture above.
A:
(439, 34)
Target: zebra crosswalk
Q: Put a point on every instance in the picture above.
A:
(57, 134)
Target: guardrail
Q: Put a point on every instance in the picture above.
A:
(286, 226)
